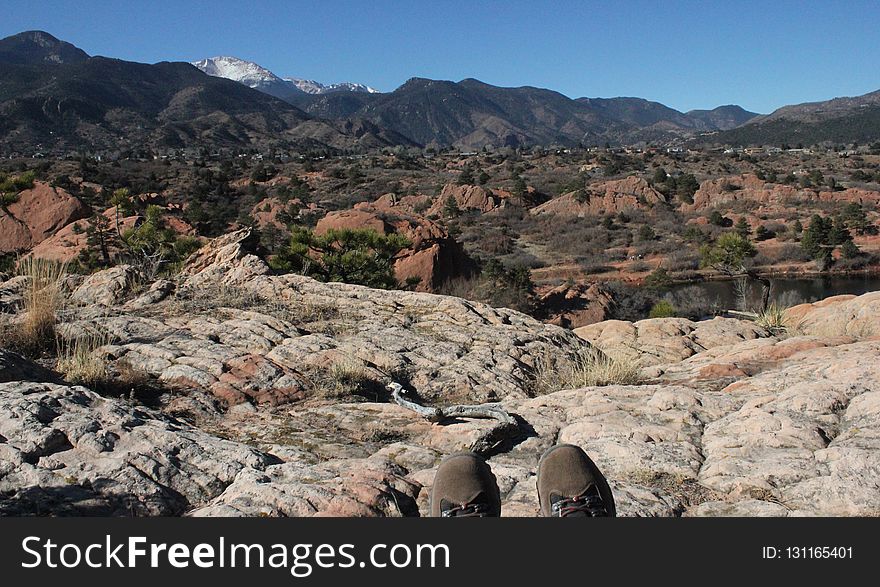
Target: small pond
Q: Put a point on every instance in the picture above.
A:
(786, 291)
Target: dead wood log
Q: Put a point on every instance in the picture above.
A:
(749, 315)
(506, 425)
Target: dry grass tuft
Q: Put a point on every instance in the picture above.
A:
(589, 367)
(81, 361)
(35, 333)
(347, 378)
(303, 312)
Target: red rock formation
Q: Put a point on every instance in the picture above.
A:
(746, 187)
(353, 220)
(413, 204)
(608, 197)
(468, 197)
(856, 195)
(270, 210)
(265, 212)
(67, 243)
(433, 256)
(38, 214)
(573, 306)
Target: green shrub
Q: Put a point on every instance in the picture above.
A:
(662, 309)
(11, 186)
(728, 254)
(646, 233)
(762, 233)
(658, 279)
(362, 256)
(154, 246)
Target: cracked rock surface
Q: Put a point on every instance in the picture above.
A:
(274, 404)
(66, 450)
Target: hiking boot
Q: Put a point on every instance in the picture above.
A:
(570, 485)
(465, 487)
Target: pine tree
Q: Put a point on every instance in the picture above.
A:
(728, 254)
(838, 233)
(686, 186)
(660, 176)
(855, 217)
(519, 187)
(466, 177)
(815, 237)
(716, 218)
(121, 200)
(450, 208)
(100, 237)
(849, 250)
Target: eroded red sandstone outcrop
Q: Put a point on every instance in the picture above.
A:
(272, 212)
(854, 195)
(467, 197)
(67, 243)
(38, 213)
(748, 187)
(411, 204)
(433, 256)
(574, 306)
(608, 197)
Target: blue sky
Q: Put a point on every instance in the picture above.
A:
(760, 55)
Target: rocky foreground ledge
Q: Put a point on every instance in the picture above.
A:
(273, 403)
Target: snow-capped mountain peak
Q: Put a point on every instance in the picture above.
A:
(260, 78)
(312, 87)
(239, 70)
(306, 85)
(352, 87)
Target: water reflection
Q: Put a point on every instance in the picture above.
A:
(784, 291)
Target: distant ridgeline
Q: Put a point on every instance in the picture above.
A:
(55, 98)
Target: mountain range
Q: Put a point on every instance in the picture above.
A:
(472, 114)
(840, 120)
(54, 96)
(260, 78)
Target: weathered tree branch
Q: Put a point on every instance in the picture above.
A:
(491, 411)
(749, 315)
(505, 427)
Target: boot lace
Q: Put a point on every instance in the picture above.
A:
(591, 505)
(468, 510)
